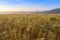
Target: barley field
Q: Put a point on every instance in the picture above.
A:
(30, 27)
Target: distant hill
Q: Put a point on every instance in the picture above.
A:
(57, 10)
(52, 11)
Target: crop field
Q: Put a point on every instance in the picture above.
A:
(30, 27)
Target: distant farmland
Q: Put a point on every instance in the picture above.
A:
(30, 27)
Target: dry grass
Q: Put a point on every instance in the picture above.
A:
(29, 27)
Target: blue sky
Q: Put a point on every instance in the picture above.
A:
(28, 5)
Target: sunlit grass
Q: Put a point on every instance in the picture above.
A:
(29, 27)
